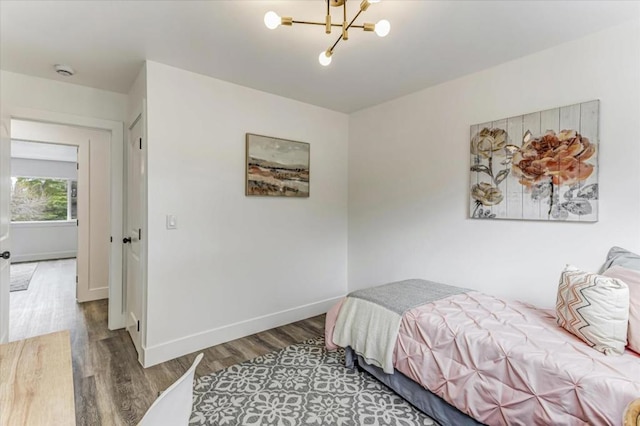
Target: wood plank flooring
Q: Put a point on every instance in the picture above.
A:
(36, 381)
(111, 387)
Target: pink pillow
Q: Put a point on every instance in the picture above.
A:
(632, 279)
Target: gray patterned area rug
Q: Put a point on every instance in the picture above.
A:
(303, 384)
(21, 274)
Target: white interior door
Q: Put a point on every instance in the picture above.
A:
(5, 220)
(133, 235)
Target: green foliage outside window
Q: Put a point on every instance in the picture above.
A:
(35, 199)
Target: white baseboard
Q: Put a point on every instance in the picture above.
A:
(164, 352)
(95, 294)
(33, 257)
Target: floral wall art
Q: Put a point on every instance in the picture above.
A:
(539, 166)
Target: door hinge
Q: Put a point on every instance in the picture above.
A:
(77, 222)
(139, 234)
(110, 239)
(76, 279)
(138, 325)
(77, 166)
(140, 143)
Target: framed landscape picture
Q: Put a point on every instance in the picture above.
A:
(538, 166)
(276, 167)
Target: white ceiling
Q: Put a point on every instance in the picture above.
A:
(430, 42)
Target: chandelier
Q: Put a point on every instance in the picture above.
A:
(382, 28)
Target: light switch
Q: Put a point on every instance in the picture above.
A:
(172, 222)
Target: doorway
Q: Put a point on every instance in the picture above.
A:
(116, 316)
(44, 213)
(86, 270)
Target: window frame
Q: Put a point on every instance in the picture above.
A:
(69, 209)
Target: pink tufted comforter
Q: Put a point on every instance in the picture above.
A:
(509, 363)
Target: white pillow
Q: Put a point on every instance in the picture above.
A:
(595, 308)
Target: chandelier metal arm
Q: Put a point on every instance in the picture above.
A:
(345, 28)
(354, 19)
(327, 19)
(324, 23)
(330, 50)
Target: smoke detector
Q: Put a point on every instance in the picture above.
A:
(64, 70)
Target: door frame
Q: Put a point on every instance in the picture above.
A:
(5, 225)
(116, 315)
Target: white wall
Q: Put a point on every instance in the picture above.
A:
(236, 264)
(43, 240)
(19, 90)
(409, 174)
(137, 96)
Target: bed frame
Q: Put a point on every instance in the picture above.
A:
(430, 404)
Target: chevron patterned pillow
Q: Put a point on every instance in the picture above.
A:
(595, 308)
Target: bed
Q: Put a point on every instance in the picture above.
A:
(467, 358)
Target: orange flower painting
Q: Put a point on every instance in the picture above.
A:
(519, 171)
(560, 158)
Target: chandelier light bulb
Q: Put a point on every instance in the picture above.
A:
(324, 59)
(382, 28)
(374, 1)
(272, 20)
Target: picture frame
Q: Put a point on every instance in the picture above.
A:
(537, 166)
(276, 167)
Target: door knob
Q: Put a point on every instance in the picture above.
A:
(126, 240)
(5, 255)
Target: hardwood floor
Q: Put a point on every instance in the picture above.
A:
(48, 304)
(111, 387)
(36, 381)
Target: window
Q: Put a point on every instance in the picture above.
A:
(41, 199)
